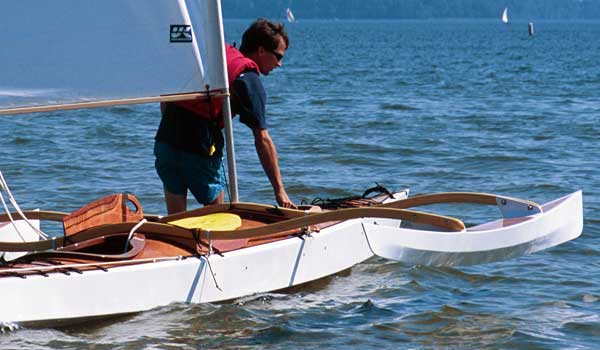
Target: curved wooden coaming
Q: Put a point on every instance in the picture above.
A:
(167, 230)
(137, 244)
(457, 197)
(94, 232)
(444, 222)
(271, 210)
(288, 219)
(36, 215)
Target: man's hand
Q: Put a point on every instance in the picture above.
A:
(284, 201)
(268, 158)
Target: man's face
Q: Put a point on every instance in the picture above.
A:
(269, 60)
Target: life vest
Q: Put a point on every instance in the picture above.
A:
(237, 63)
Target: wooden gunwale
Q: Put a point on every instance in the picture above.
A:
(456, 197)
(301, 220)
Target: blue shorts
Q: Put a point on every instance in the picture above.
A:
(181, 171)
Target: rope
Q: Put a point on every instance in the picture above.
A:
(226, 182)
(352, 201)
(133, 229)
(4, 187)
(10, 216)
(215, 126)
(212, 273)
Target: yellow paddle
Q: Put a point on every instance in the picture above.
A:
(213, 222)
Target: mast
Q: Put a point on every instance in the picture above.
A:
(214, 45)
(233, 186)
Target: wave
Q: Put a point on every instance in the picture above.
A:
(27, 92)
(397, 107)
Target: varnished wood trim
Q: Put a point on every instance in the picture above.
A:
(454, 197)
(36, 215)
(445, 222)
(220, 208)
(290, 224)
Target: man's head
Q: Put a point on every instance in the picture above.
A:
(265, 42)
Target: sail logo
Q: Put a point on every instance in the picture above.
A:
(181, 33)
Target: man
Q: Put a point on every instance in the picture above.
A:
(189, 141)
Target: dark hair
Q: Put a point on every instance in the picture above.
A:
(263, 33)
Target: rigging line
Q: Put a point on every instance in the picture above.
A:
(226, 182)
(18, 209)
(212, 273)
(214, 126)
(12, 221)
(367, 237)
(207, 257)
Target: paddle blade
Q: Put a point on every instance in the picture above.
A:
(212, 222)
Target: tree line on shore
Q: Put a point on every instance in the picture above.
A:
(417, 9)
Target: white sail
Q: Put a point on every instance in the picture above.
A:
(505, 15)
(289, 15)
(69, 54)
(72, 51)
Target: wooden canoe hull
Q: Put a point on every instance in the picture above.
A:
(126, 289)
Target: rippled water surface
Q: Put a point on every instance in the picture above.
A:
(433, 106)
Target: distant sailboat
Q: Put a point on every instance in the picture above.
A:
(289, 15)
(531, 31)
(505, 15)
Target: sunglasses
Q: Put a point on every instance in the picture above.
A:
(277, 55)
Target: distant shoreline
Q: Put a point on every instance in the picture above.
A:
(415, 9)
(435, 19)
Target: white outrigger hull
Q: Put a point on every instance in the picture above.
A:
(560, 221)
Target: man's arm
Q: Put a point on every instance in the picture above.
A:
(268, 158)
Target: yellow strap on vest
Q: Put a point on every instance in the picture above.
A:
(213, 222)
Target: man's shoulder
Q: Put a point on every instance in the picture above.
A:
(250, 80)
(248, 75)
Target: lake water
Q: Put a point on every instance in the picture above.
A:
(457, 105)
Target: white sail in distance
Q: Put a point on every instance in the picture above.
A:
(505, 15)
(65, 52)
(289, 15)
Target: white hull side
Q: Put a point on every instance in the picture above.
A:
(558, 224)
(141, 287)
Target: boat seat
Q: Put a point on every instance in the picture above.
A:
(111, 209)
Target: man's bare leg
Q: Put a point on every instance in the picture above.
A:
(220, 198)
(175, 202)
